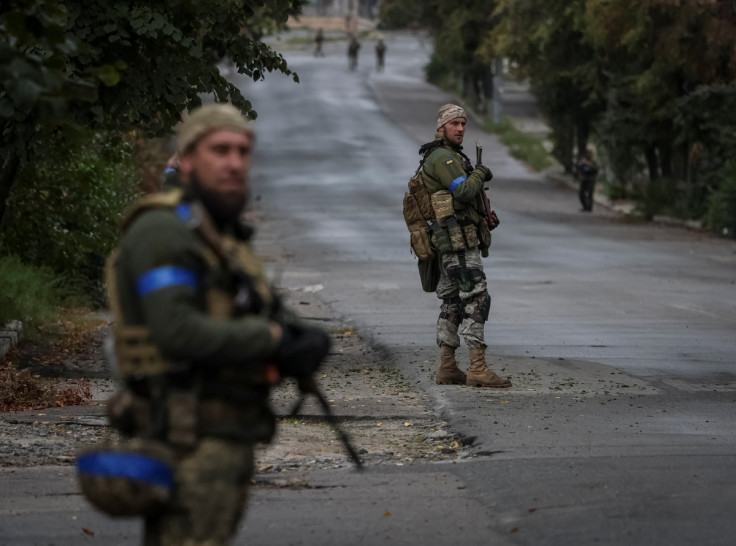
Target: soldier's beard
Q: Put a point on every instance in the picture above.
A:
(224, 208)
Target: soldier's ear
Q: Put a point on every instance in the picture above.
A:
(186, 166)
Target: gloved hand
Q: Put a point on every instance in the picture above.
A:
(494, 220)
(484, 172)
(301, 351)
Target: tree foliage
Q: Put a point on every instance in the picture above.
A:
(120, 65)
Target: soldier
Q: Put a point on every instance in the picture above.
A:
(455, 188)
(380, 55)
(353, 48)
(196, 324)
(587, 170)
(319, 40)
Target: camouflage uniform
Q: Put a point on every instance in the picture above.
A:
(458, 231)
(464, 310)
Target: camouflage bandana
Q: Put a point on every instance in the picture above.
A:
(449, 112)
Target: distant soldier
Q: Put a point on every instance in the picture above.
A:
(353, 48)
(587, 171)
(318, 40)
(197, 324)
(380, 55)
(455, 186)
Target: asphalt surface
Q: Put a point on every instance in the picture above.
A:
(618, 336)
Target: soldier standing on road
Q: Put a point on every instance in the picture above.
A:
(587, 170)
(353, 47)
(318, 40)
(196, 323)
(380, 55)
(455, 186)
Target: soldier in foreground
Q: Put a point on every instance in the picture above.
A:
(457, 235)
(200, 334)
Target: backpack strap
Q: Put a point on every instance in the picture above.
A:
(425, 150)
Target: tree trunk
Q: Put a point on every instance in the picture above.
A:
(651, 155)
(567, 145)
(665, 159)
(8, 173)
(583, 132)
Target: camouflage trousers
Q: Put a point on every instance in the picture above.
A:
(465, 300)
(210, 496)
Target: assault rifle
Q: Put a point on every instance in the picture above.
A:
(488, 214)
(308, 385)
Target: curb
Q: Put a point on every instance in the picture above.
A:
(10, 335)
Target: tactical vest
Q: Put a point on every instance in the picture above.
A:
(135, 352)
(225, 402)
(437, 222)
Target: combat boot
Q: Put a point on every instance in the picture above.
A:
(479, 375)
(449, 373)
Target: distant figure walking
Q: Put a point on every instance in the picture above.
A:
(353, 48)
(380, 55)
(318, 40)
(587, 170)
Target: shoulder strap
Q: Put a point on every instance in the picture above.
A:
(162, 200)
(425, 150)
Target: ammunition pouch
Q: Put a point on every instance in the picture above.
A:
(442, 204)
(419, 191)
(440, 238)
(457, 241)
(417, 211)
(241, 422)
(421, 244)
(135, 479)
(470, 231)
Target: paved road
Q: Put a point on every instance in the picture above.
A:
(619, 339)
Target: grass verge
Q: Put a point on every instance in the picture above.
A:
(30, 294)
(522, 146)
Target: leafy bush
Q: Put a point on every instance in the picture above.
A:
(30, 294)
(721, 215)
(65, 211)
(659, 196)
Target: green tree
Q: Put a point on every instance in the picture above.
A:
(119, 65)
(547, 40)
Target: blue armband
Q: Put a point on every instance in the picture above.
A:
(455, 183)
(163, 277)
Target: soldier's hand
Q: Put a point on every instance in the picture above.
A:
(484, 172)
(494, 220)
(302, 350)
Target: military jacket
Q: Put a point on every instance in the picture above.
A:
(447, 169)
(172, 287)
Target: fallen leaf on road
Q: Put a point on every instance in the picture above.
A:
(380, 424)
(407, 424)
(87, 532)
(505, 402)
(387, 515)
